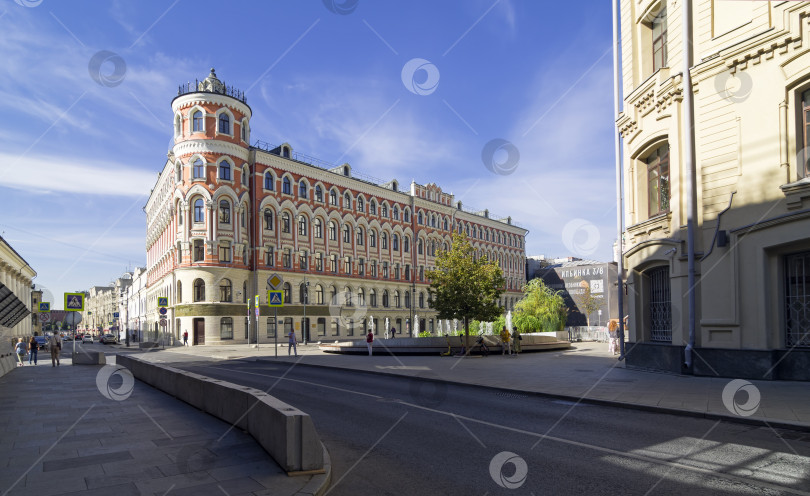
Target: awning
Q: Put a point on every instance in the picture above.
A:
(12, 309)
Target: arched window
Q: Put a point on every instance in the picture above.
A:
(332, 231)
(346, 171)
(245, 175)
(333, 295)
(384, 210)
(407, 299)
(199, 290)
(303, 297)
(226, 328)
(361, 205)
(396, 299)
(333, 198)
(319, 295)
(199, 212)
(420, 247)
(421, 299)
(198, 169)
(318, 226)
(347, 234)
(224, 123)
(269, 181)
(318, 193)
(268, 219)
(372, 207)
(225, 291)
(347, 296)
(302, 226)
(285, 222)
(302, 189)
(445, 224)
(419, 218)
(178, 126)
(287, 289)
(361, 297)
(433, 221)
(285, 151)
(197, 121)
(395, 212)
(178, 173)
(360, 236)
(395, 242)
(372, 298)
(406, 215)
(243, 128)
(372, 238)
(179, 292)
(406, 244)
(224, 212)
(286, 186)
(384, 241)
(385, 298)
(347, 201)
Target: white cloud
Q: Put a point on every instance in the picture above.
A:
(44, 175)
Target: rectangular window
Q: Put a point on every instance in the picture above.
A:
(373, 268)
(321, 326)
(333, 263)
(797, 300)
(288, 325)
(286, 258)
(350, 328)
(271, 327)
(199, 250)
(659, 40)
(226, 328)
(225, 251)
(347, 266)
(335, 327)
(396, 271)
(385, 270)
(303, 262)
(407, 272)
(361, 267)
(271, 257)
(319, 262)
(658, 181)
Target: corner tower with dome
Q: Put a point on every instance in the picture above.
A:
(353, 250)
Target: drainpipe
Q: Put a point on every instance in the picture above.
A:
(413, 261)
(618, 151)
(689, 166)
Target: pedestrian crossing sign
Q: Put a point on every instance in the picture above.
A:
(163, 301)
(45, 306)
(74, 302)
(274, 299)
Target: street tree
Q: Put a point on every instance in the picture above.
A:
(588, 302)
(541, 308)
(464, 287)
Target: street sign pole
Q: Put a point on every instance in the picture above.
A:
(275, 330)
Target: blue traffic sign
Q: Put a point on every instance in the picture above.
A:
(115, 315)
(163, 311)
(275, 299)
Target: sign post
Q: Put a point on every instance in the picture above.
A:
(274, 282)
(163, 303)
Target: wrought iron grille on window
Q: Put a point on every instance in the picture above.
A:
(660, 305)
(797, 300)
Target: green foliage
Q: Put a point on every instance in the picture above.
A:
(541, 309)
(589, 302)
(463, 287)
(425, 334)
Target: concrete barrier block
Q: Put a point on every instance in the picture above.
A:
(284, 433)
(228, 402)
(189, 388)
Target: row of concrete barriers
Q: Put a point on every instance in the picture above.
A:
(285, 432)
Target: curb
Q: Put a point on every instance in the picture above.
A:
(590, 401)
(319, 484)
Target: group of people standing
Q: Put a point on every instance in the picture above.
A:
(31, 348)
(511, 341)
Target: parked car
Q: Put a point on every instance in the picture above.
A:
(42, 341)
(87, 338)
(108, 338)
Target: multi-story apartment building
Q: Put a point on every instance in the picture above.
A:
(224, 216)
(99, 309)
(15, 293)
(135, 312)
(750, 71)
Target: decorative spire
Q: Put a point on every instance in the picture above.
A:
(212, 83)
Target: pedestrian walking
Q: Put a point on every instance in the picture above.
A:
(369, 341)
(393, 332)
(505, 341)
(516, 340)
(613, 333)
(19, 349)
(185, 338)
(56, 346)
(33, 348)
(293, 343)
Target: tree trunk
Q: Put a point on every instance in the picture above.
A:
(466, 337)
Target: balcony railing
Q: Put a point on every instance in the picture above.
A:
(195, 87)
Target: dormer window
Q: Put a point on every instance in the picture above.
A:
(285, 151)
(346, 171)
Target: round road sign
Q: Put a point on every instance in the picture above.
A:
(163, 322)
(44, 317)
(163, 311)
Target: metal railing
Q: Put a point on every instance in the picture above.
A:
(186, 88)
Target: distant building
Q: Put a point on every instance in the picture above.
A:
(16, 277)
(579, 280)
(353, 251)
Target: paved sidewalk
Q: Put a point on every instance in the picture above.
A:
(586, 371)
(84, 430)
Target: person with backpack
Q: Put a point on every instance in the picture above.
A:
(33, 347)
(369, 341)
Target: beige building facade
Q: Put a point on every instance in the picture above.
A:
(751, 90)
(16, 300)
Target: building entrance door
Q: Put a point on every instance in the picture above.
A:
(199, 331)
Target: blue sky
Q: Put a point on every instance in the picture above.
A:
(82, 144)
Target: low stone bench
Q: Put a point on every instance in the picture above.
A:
(89, 358)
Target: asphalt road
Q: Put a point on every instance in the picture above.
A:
(402, 436)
